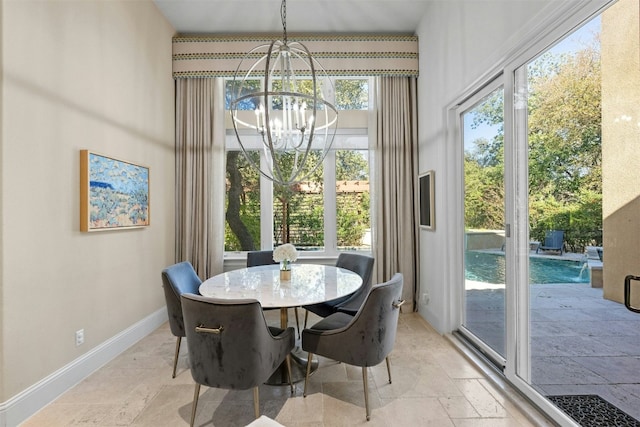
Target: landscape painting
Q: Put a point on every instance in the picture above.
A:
(114, 194)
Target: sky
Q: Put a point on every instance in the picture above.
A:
(574, 41)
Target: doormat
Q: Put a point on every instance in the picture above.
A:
(590, 410)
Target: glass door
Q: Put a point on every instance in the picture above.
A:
(482, 135)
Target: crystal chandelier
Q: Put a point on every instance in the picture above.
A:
(293, 124)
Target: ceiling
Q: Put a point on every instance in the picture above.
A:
(303, 16)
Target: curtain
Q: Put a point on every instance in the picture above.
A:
(395, 231)
(200, 174)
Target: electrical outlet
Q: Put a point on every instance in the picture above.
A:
(79, 337)
(425, 298)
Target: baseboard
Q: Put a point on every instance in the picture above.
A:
(28, 402)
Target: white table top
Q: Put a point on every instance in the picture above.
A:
(309, 284)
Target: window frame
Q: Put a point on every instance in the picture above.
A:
(354, 136)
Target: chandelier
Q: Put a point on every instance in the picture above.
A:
(277, 106)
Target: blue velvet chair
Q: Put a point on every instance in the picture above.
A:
(176, 280)
(231, 346)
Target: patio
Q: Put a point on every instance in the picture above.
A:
(581, 343)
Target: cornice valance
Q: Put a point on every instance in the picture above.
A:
(339, 55)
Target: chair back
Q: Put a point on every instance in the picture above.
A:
(230, 344)
(554, 238)
(176, 280)
(362, 265)
(255, 258)
(376, 323)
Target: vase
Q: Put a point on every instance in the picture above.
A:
(285, 271)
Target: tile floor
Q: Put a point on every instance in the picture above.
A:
(581, 343)
(433, 385)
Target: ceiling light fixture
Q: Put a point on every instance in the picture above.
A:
(282, 109)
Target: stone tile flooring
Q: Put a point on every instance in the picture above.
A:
(581, 343)
(433, 385)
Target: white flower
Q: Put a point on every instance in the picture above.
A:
(286, 252)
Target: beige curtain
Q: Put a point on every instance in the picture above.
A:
(395, 170)
(200, 172)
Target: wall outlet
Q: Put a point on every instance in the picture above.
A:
(425, 298)
(79, 337)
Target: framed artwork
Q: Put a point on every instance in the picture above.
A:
(114, 194)
(427, 200)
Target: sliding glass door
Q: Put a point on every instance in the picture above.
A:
(482, 135)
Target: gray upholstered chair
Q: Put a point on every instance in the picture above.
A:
(255, 258)
(231, 346)
(365, 339)
(176, 280)
(359, 264)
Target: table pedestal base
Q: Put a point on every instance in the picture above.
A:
(298, 369)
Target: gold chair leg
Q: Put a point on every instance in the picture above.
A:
(175, 357)
(196, 394)
(297, 321)
(289, 371)
(388, 368)
(306, 377)
(256, 402)
(365, 381)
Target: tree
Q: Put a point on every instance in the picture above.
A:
(565, 127)
(565, 156)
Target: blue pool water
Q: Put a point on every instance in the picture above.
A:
(490, 268)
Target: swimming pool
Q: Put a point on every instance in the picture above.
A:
(490, 268)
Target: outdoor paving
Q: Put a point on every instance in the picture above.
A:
(581, 343)
(584, 344)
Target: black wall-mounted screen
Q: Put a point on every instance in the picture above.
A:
(426, 200)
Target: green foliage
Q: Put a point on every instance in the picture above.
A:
(565, 156)
(352, 94)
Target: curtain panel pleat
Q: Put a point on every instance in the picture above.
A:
(340, 55)
(199, 170)
(395, 229)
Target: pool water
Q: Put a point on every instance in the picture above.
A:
(490, 268)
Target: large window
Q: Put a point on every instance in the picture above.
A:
(329, 211)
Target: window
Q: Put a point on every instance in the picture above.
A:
(325, 214)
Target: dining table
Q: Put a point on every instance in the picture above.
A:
(308, 284)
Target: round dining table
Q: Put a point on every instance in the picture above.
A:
(309, 284)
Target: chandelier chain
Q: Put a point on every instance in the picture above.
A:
(283, 18)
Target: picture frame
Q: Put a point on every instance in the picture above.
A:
(427, 200)
(114, 193)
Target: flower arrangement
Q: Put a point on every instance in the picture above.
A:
(285, 254)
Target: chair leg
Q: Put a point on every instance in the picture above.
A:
(365, 381)
(256, 402)
(306, 377)
(388, 368)
(297, 321)
(306, 316)
(289, 371)
(196, 394)
(175, 357)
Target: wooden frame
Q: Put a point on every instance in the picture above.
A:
(427, 200)
(114, 194)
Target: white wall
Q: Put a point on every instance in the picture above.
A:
(78, 74)
(460, 42)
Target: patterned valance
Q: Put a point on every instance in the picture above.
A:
(341, 55)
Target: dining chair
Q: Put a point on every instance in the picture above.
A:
(256, 258)
(178, 279)
(359, 264)
(231, 346)
(365, 339)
